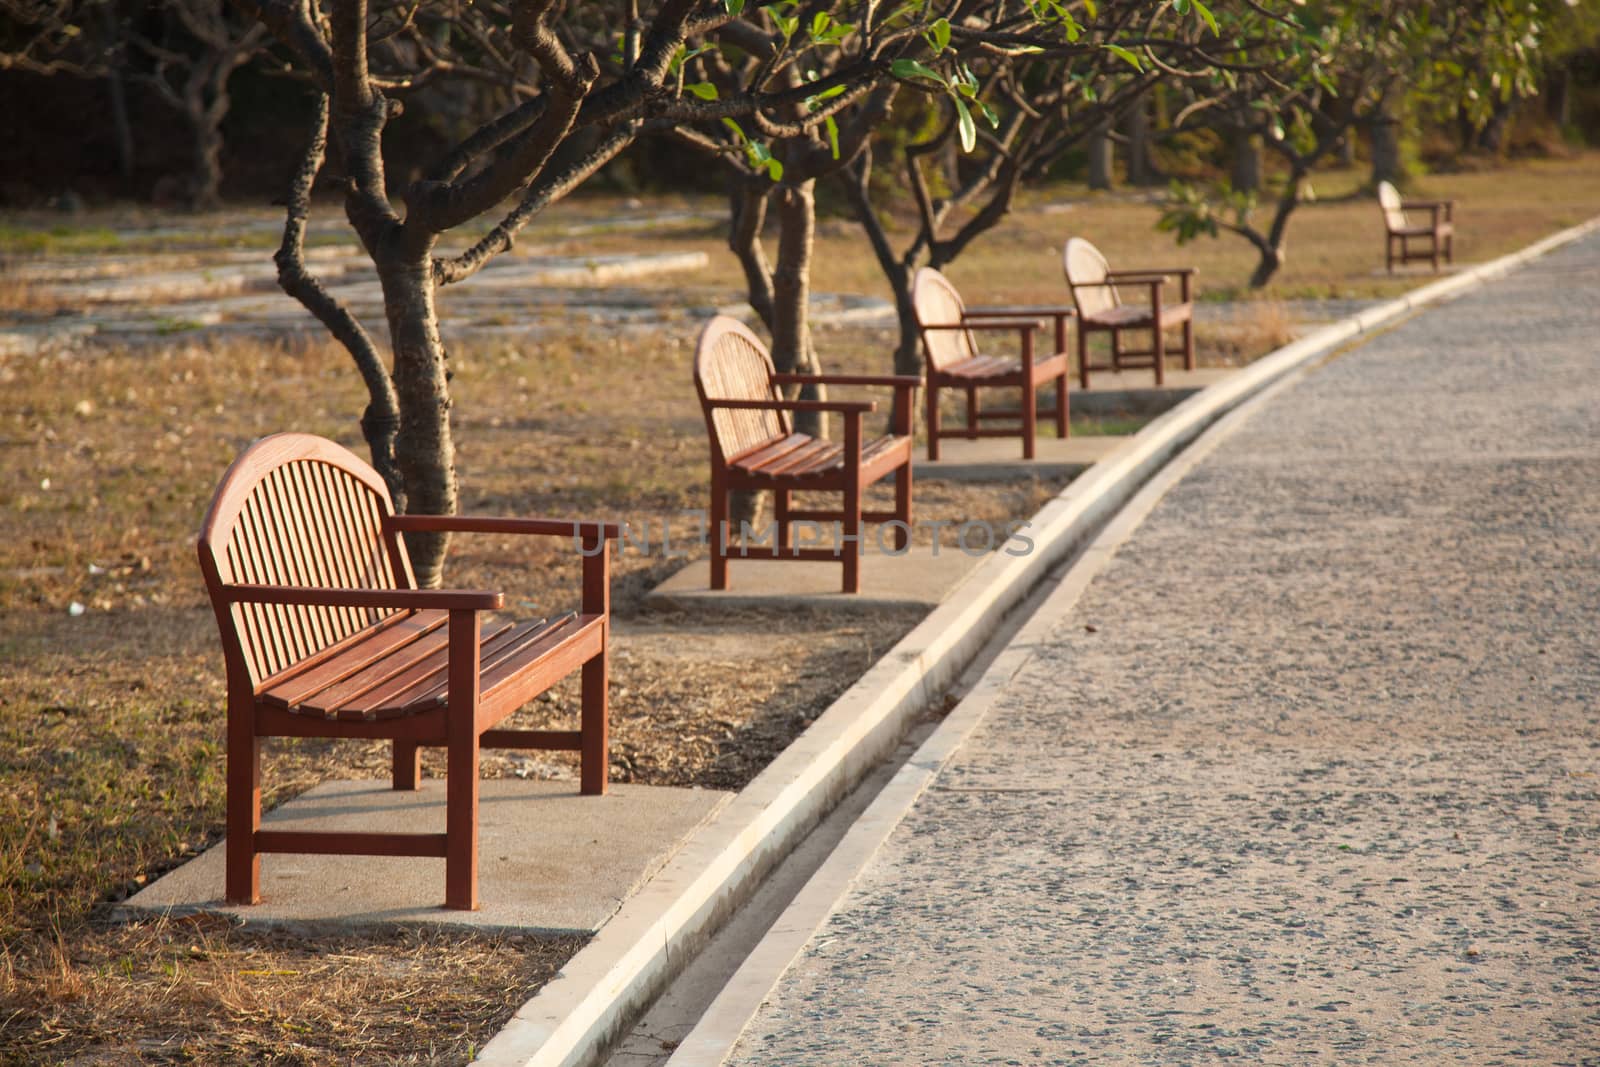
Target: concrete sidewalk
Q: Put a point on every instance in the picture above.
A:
(1310, 772)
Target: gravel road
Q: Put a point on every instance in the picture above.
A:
(1309, 774)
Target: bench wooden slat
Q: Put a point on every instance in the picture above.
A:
(372, 693)
(305, 680)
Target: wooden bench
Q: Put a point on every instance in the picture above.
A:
(954, 361)
(1400, 229)
(1097, 293)
(753, 448)
(325, 634)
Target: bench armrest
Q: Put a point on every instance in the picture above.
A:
(504, 525)
(846, 379)
(1152, 272)
(985, 324)
(1016, 312)
(382, 599)
(848, 407)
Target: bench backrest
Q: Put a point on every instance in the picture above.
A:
(731, 363)
(297, 510)
(1085, 269)
(936, 302)
(1394, 216)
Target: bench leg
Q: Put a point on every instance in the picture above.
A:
(1116, 350)
(243, 862)
(1188, 342)
(1030, 416)
(461, 783)
(1083, 357)
(595, 725)
(1160, 346)
(407, 764)
(780, 515)
(932, 402)
(972, 413)
(719, 532)
(850, 539)
(902, 507)
(1063, 426)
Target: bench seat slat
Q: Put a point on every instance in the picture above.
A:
(356, 653)
(379, 692)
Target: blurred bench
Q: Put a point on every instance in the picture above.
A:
(1400, 228)
(1097, 291)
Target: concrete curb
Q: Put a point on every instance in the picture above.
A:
(572, 1019)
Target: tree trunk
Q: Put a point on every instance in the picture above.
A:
(1273, 247)
(792, 352)
(121, 128)
(1492, 138)
(1245, 174)
(205, 183)
(1347, 149)
(1386, 162)
(1136, 126)
(424, 450)
(1100, 158)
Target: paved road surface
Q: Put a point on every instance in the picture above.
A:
(1320, 785)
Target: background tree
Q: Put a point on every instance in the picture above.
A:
(1346, 64)
(183, 51)
(1049, 84)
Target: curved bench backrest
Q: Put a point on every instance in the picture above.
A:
(937, 303)
(1085, 266)
(1394, 216)
(296, 510)
(731, 363)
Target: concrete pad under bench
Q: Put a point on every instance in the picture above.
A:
(918, 578)
(999, 459)
(1134, 392)
(549, 860)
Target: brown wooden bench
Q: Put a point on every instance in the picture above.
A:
(1400, 229)
(325, 634)
(1097, 293)
(954, 361)
(753, 448)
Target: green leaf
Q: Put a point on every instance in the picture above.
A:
(833, 134)
(939, 35)
(1124, 55)
(967, 128)
(704, 90)
(910, 68)
(774, 169)
(734, 7)
(738, 133)
(989, 115)
(1091, 9)
(1205, 13)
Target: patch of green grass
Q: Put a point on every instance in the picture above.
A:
(1109, 425)
(58, 240)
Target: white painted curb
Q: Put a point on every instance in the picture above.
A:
(574, 1017)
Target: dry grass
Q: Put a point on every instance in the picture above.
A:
(202, 990)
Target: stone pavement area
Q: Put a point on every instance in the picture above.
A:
(1309, 774)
